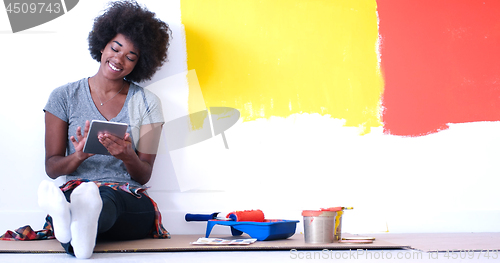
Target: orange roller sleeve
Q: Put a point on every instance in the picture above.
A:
(247, 215)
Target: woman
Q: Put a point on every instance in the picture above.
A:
(104, 196)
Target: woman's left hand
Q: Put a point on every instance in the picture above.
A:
(117, 147)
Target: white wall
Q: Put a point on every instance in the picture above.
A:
(444, 182)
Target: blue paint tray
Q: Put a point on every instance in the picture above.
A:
(270, 229)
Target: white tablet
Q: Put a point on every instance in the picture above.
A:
(93, 145)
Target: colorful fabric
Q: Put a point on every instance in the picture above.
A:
(27, 233)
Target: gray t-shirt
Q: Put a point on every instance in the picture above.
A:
(73, 104)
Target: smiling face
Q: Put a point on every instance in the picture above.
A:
(118, 58)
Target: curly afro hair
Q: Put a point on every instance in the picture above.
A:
(148, 33)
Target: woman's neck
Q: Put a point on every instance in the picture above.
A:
(103, 85)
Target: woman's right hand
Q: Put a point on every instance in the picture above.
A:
(79, 141)
(57, 163)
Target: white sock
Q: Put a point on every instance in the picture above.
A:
(86, 205)
(52, 200)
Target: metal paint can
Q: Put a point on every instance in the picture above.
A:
(337, 231)
(319, 226)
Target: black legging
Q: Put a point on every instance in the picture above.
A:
(123, 216)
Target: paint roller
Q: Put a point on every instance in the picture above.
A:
(247, 215)
(239, 216)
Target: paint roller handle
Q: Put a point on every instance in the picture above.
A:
(203, 217)
(200, 217)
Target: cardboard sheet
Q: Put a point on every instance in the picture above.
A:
(443, 242)
(430, 242)
(182, 243)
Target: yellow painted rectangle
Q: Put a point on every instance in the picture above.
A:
(278, 58)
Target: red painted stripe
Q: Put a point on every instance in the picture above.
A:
(441, 63)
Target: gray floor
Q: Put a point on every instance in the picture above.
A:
(261, 256)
